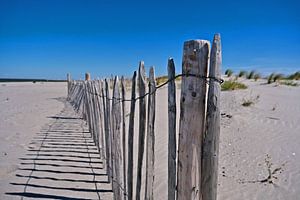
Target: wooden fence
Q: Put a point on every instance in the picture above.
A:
(193, 166)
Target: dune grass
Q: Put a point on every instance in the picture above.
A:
(271, 78)
(232, 85)
(229, 72)
(288, 83)
(251, 75)
(247, 103)
(278, 77)
(161, 79)
(295, 76)
(256, 76)
(284, 80)
(250, 101)
(242, 73)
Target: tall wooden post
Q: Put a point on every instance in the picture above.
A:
(172, 131)
(123, 135)
(116, 148)
(211, 138)
(142, 126)
(68, 83)
(192, 116)
(108, 129)
(150, 137)
(130, 140)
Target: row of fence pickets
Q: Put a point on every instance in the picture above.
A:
(192, 168)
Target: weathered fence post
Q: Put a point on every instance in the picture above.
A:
(106, 132)
(192, 116)
(116, 148)
(94, 113)
(97, 88)
(150, 137)
(69, 83)
(211, 138)
(89, 109)
(108, 126)
(172, 131)
(142, 125)
(123, 135)
(130, 140)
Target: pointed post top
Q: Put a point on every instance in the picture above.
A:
(142, 71)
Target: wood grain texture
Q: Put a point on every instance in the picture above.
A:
(130, 139)
(211, 138)
(171, 131)
(192, 116)
(142, 126)
(150, 159)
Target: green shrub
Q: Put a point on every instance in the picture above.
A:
(232, 85)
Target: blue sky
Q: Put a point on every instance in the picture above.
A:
(49, 38)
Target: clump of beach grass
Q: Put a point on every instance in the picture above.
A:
(242, 73)
(288, 83)
(271, 78)
(251, 75)
(161, 79)
(229, 72)
(256, 76)
(247, 103)
(232, 85)
(294, 76)
(284, 80)
(278, 77)
(250, 101)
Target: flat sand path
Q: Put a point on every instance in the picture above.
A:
(46, 151)
(62, 162)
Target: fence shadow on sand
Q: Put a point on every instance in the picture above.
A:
(62, 162)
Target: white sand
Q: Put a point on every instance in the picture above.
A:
(24, 111)
(268, 131)
(37, 115)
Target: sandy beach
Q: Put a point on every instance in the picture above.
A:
(259, 144)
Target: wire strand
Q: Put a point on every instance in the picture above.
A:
(207, 79)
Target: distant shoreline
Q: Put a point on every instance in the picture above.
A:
(29, 80)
